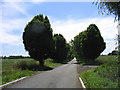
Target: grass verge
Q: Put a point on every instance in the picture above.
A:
(104, 76)
(13, 69)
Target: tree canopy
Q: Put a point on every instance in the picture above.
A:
(89, 43)
(61, 48)
(38, 38)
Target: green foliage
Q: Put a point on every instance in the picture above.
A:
(106, 59)
(114, 52)
(109, 70)
(24, 65)
(104, 76)
(61, 48)
(34, 66)
(70, 55)
(8, 76)
(38, 38)
(21, 65)
(89, 43)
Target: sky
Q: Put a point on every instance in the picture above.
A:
(67, 18)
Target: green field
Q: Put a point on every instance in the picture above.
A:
(13, 69)
(104, 76)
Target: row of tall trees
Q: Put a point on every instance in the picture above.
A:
(62, 48)
(88, 44)
(40, 42)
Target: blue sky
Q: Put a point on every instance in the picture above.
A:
(67, 18)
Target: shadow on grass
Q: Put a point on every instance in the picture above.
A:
(44, 68)
(37, 68)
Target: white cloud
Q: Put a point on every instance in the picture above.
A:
(70, 28)
(11, 26)
(11, 31)
(12, 9)
(8, 38)
(110, 46)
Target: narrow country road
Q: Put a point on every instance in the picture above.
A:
(65, 76)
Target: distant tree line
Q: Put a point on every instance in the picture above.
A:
(14, 57)
(114, 52)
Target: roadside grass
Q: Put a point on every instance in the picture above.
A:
(98, 61)
(13, 69)
(104, 76)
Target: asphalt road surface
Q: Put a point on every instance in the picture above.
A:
(65, 76)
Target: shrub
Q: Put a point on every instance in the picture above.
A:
(21, 65)
(32, 65)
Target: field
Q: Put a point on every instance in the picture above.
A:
(104, 76)
(13, 69)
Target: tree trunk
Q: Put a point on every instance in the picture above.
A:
(41, 62)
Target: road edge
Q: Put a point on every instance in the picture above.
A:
(12, 82)
(82, 83)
